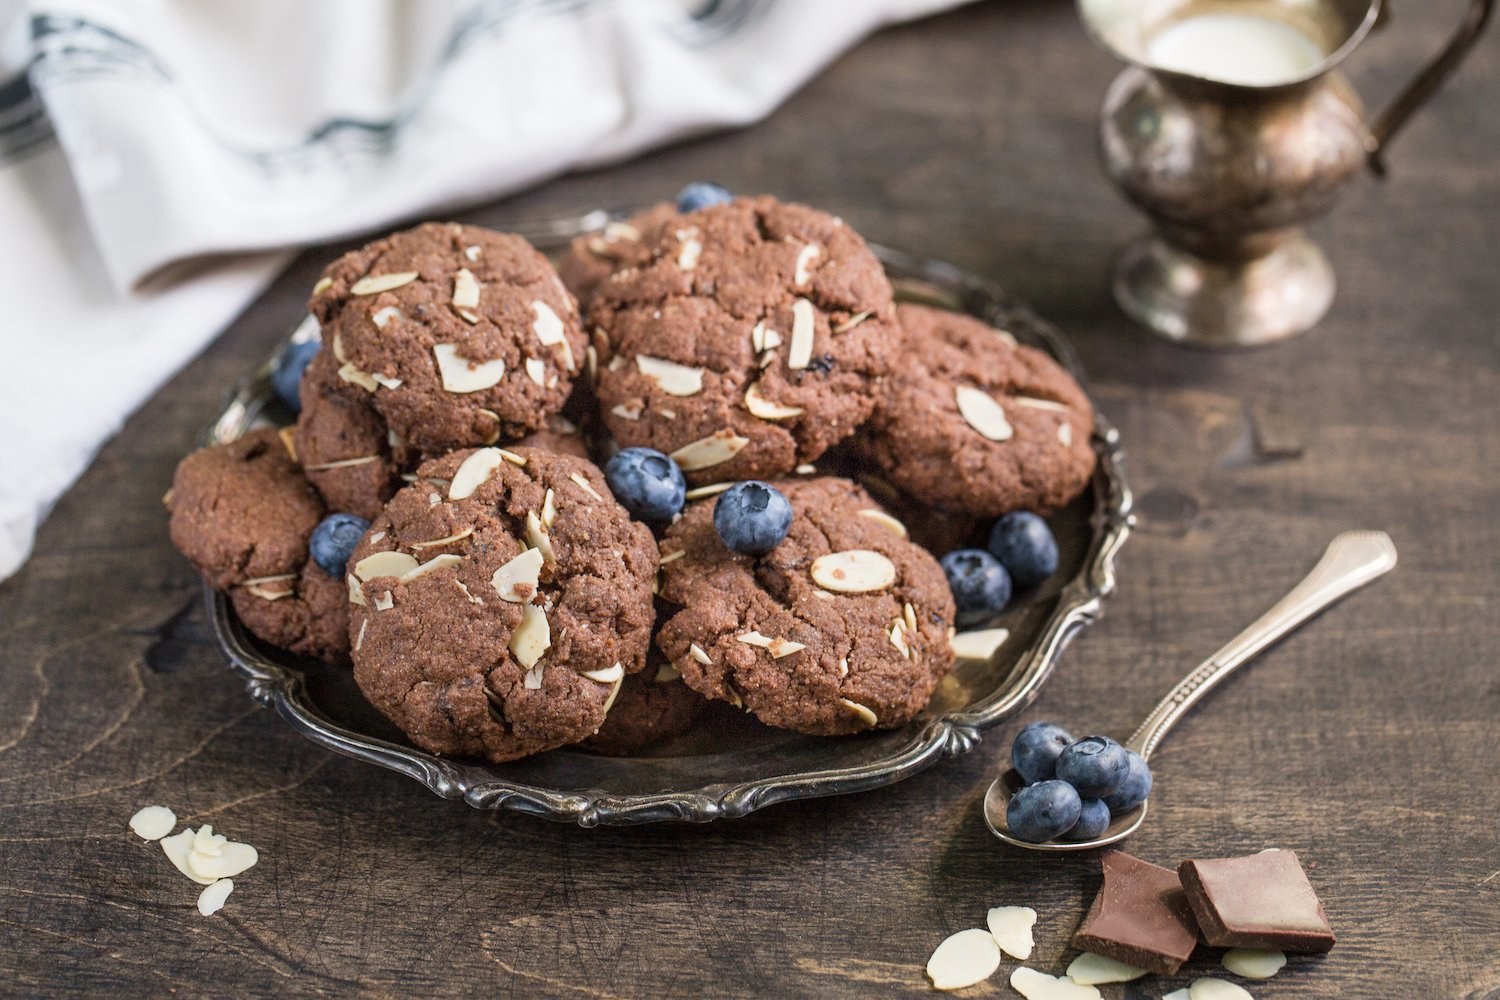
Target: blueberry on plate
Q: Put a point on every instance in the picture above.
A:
(701, 194)
(1093, 820)
(1095, 765)
(1043, 811)
(1035, 751)
(980, 585)
(1134, 789)
(647, 483)
(752, 517)
(333, 541)
(287, 375)
(1025, 547)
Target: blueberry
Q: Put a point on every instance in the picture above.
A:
(1093, 820)
(333, 541)
(752, 517)
(287, 375)
(1025, 547)
(647, 483)
(701, 194)
(1095, 765)
(1040, 812)
(980, 585)
(1034, 753)
(1134, 789)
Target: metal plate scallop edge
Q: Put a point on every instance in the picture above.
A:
(950, 735)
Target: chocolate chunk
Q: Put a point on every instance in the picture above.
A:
(1260, 901)
(1140, 917)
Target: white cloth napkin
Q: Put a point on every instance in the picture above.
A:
(136, 135)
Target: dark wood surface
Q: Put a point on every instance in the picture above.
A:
(1369, 741)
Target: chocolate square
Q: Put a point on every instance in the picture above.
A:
(1260, 901)
(1140, 916)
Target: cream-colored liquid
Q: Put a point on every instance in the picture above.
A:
(1248, 49)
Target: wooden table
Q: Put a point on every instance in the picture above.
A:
(1368, 742)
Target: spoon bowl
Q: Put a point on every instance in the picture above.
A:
(1352, 560)
(997, 800)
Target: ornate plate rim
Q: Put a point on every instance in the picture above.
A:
(949, 735)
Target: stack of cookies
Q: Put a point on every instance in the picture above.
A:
(435, 517)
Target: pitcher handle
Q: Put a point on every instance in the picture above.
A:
(1426, 84)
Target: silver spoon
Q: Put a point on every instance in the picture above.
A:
(1353, 559)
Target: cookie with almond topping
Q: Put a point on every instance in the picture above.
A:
(973, 421)
(840, 628)
(498, 601)
(593, 257)
(459, 335)
(751, 338)
(242, 514)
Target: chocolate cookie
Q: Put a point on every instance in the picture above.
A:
(591, 259)
(840, 628)
(242, 514)
(498, 602)
(752, 339)
(459, 335)
(972, 421)
(653, 705)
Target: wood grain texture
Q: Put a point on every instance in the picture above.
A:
(1369, 741)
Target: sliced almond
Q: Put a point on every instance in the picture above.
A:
(591, 362)
(288, 436)
(852, 321)
(231, 860)
(608, 675)
(671, 557)
(211, 900)
(854, 571)
(471, 254)
(549, 330)
(549, 509)
(533, 679)
(765, 409)
(753, 638)
(395, 564)
(153, 822)
(1011, 927)
(460, 375)
(584, 485)
(323, 284)
(338, 349)
(799, 353)
(979, 644)
(357, 376)
(897, 635)
(373, 284)
(384, 602)
(885, 520)
(472, 599)
(1032, 402)
(805, 257)
(436, 542)
(1065, 434)
(626, 412)
(465, 289)
(1007, 337)
(697, 653)
(863, 711)
(267, 593)
(536, 370)
(517, 460)
(763, 338)
(468, 316)
(1089, 969)
(616, 363)
(704, 453)
(537, 538)
(532, 638)
(359, 640)
(666, 673)
(343, 463)
(518, 579)
(687, 257)
(474, 471)
(1254, 963)
(386, 381)
(981, 412)
(177, 848)
(909, 616)
(431, 565)
(806, 469)
(1034, 985)
(712, 489)
(671, 377)
(784, 647)
(356, 592)
(382, 317)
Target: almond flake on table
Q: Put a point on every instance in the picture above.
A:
(211, 899)
(153, 822)
(963, 959)
(1090, 969)
(1011, 926)
(1034, 985)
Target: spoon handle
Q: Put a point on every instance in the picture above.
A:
(1353, 559)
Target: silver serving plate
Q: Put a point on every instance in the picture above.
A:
(734, 765)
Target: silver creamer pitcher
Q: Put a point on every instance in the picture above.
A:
(1230, 128)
